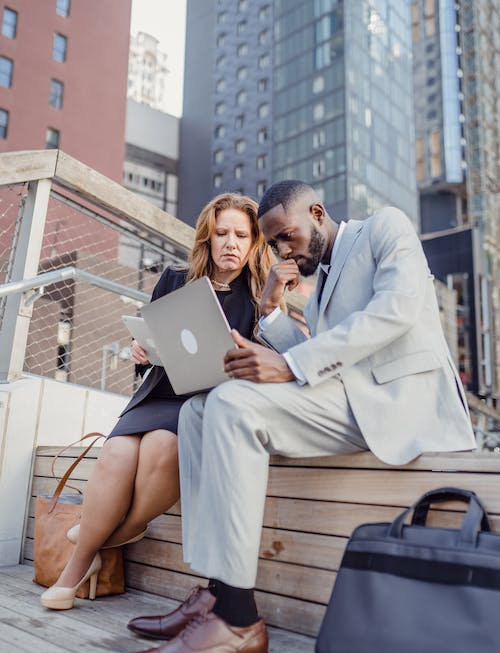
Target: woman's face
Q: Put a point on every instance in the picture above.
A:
(231, 240)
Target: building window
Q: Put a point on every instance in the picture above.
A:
(60, 47)
(430, 17)
(262, 136)
(217, 181)
(241, 98)
(264, 61)
(435, 154)
(264, 37)
(261, 188)
(220, 86)
(261, 162)
(241, 73)
(222, 17)
(262, 85)
(414, 21)
(218, 156)
(319, 111)
(264, 110)
(62, 7)
(4, 123)
(264, 13)
(242, 5)
(220, 108)
(239, 121)
(220, 61)
(242, 50)
(52, 139)
(6, 67)
(240, 145)
(318, 84)
(238, 171)
(419, 146)
(9, 23)
(56, 93)
(242, 25)
(319, 138)
(220, 131)
(221, 39)
(319, 168)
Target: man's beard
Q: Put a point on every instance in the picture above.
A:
(309, 264)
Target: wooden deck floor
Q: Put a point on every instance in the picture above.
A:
(92, 626)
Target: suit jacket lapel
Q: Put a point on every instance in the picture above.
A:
(351, 232)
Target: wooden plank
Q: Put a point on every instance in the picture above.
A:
(95, 187)
(82, 471)
(469, 461)
(28, 165)
(291, 546)
(301, 515)
(377, 487)
(92, 625)
(273, 576)
(42, 485)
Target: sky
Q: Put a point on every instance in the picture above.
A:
(166, 21)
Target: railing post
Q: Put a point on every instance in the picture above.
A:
(17, 315)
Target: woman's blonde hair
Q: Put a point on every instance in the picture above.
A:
(260, 258)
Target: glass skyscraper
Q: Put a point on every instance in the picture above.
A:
(319, 90)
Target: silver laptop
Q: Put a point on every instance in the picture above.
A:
(192, 336)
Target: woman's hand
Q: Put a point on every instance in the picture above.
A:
(256, 363)
(282, 275)
(137, 354)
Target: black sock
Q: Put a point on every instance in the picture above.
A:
(235, 606)
(213, 586)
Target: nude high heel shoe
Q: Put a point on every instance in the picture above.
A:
(63, 598)
(74, 532)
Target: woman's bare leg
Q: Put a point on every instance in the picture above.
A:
(156, 484)
(107, 498)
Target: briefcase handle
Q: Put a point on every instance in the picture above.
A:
(476, 517)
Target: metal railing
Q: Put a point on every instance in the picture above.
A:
(77, 251)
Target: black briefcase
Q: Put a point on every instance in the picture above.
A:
(416, 589)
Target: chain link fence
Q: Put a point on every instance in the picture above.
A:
(76, 332)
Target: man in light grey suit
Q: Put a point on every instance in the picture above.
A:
(376, 373)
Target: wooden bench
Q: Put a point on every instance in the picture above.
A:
(312, 507)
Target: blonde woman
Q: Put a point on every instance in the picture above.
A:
(136, 477)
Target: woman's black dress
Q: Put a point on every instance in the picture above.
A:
(155, 404)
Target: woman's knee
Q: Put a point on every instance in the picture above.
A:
(161, 449)
(120, 452)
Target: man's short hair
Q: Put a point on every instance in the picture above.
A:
(282, 192)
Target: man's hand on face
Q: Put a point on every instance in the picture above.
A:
(282, 275)
(256, 363)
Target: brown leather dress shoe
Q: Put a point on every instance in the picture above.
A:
(208, 633)
(198, 601)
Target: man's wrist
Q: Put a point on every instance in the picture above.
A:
(267, 309)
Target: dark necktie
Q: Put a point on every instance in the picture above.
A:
(321, 283)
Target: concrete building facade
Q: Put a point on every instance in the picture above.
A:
(147, 71)
(63, 78)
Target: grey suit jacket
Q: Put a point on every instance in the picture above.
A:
(377, 327)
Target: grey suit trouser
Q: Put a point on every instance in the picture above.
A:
(225, 439)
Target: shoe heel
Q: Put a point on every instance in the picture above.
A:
(93, 585)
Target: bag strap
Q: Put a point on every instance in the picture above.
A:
(476, 517)
(62, 482)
